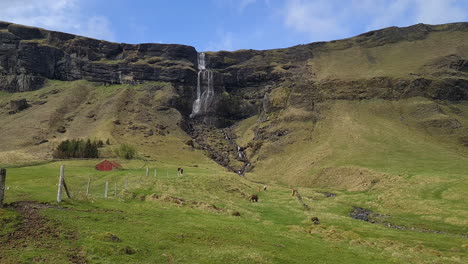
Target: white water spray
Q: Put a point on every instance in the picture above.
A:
(205, 88)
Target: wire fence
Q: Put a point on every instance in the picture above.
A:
(118, 184)
(121, 186)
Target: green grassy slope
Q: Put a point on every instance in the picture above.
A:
(401, 59)
(388, 156)
(90, 110)
(168, 230)
(407, 165)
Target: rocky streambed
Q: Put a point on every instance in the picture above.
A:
(370, 216)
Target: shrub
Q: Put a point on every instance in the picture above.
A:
(125, 151)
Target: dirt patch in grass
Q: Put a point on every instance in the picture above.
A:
(38, 233)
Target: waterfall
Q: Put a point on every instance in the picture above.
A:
(205, 88)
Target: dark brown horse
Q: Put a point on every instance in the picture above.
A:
(253, 198)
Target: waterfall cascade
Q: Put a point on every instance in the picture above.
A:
(205, 88)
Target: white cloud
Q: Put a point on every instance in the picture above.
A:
(394, 13)
(60, 15)
(317, 19)
(324, 20)
(440, 11)
(225, 41)
(240, 5)
(408, 12)
(245, 3)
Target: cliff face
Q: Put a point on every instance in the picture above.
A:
(29, 56)
(371, 65)
(392, 63)
(285, 91)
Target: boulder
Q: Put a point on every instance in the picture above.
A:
(18, 105)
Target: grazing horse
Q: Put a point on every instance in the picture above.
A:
(294, 192)
(253, 198)
(180, 171)
(315, 220)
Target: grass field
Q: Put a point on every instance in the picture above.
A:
(387, 156)
(151, 224)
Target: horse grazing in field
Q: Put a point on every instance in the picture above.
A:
(315, 220)
(253, 198)
(294, 192)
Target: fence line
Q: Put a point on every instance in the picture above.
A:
(60, 183)
(88, 186)
(106, 190)
(84, 189)
(2, 186)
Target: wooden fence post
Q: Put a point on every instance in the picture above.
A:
(126, 184)
(147, 172)
(2, 186)
(115, 189)
(155, 172)
(106, 190)
(66, 188)
(88, 186)
(60, 184)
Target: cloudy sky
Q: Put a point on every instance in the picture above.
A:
(228, 24)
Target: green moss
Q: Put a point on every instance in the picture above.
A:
(109, 61)
(154, 60)
(228, 60)
(279, 97)
(4, 94)
(9, 220)
(278, 70)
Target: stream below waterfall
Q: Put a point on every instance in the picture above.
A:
(201, 129)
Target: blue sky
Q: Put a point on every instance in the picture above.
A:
(228, 24)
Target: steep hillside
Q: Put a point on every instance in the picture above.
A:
(135, 114)
(269, 103)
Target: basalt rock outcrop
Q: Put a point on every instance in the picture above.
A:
(251, 79)
(29, 56)
(243, 79)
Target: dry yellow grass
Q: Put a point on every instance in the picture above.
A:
(396, 60)
(93, 116)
